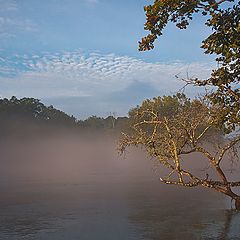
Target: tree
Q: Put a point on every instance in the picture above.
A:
(112, 116)
(18, 114)
(94, 122)
(223, 17)
(175, 136)
(171, 127)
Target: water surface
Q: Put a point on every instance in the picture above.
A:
(71, 189)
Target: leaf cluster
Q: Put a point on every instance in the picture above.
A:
(223, 17)
(167, 124)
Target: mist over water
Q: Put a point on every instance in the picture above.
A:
(73, 187)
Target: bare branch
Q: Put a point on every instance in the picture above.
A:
(226, 148)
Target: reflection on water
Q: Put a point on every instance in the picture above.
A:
(99, 196)
(231, 229)
(187, 223)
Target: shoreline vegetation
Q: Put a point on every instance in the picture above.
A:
(29, 116)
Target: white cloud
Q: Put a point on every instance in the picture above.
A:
(7, 23)
(73, 74)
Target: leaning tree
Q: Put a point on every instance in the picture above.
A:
(170, 135)
(171, 127)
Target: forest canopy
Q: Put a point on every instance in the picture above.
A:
(28, 114)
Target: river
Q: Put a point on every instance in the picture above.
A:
(66, 188)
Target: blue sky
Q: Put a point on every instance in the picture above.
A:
(82, 55)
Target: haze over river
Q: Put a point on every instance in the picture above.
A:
(72, 188)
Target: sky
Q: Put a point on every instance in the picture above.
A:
(81, 56)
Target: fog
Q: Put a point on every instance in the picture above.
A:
(69, 186)
(69, 159)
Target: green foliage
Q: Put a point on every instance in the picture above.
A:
(169, 117)
(223, 17)
(180, 12)
(171, 127)
(109, 123)
(93, 122)
(166, 105)
(30, 109)
(26, 114)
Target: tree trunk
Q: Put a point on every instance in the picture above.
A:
(237, 203)
(232, 195)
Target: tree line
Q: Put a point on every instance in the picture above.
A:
(28, 114)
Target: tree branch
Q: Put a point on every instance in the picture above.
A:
(226, 148)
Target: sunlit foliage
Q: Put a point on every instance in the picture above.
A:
(171, 127)
(223, 17)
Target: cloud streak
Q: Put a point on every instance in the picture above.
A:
(77, 75)
(10, 24)
(8, 5)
